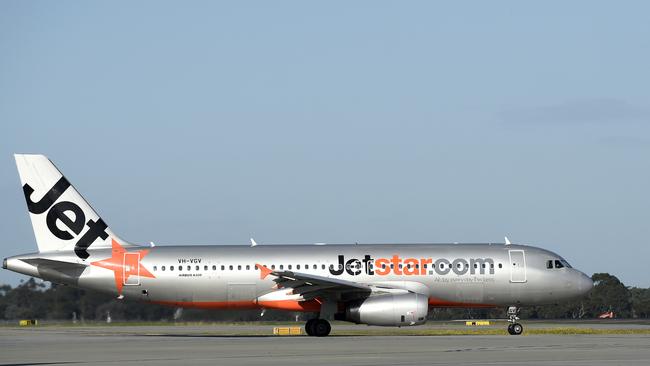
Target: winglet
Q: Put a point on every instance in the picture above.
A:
(263, 271)
(507, 241)
(253, 243)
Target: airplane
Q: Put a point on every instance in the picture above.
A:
(375, 284)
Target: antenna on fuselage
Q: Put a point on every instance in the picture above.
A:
(507, 241)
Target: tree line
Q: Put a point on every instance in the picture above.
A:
(36, 300)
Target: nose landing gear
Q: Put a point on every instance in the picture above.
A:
(514, 328)
(318, 327)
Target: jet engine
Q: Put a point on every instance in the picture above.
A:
(388, 310)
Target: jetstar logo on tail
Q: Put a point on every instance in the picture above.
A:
(57, 213)
(124, 265)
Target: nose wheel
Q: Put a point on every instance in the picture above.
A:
(318, 327)
(514, 328)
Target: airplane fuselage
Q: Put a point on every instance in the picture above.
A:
(452, 275)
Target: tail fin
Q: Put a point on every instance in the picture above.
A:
(61, 218)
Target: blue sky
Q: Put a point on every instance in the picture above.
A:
(339, 122)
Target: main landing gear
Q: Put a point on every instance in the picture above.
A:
(514, 328)
(318, 327)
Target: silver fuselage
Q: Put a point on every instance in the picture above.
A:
(451, 275)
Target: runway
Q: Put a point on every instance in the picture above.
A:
(215, 345)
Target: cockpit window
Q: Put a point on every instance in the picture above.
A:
(566, 264)
(558, 264)
(549, 264)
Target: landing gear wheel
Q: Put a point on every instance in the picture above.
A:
(517, 329)
(309, 327)
(514, 328)
(321, 328)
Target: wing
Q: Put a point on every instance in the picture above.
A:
(310, 286)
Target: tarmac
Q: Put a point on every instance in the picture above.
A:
(221, 345)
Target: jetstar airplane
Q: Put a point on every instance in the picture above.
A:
(382, 284)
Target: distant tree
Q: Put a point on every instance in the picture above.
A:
(4, 289)
(640, 298)
(26, 301)
(608, 294)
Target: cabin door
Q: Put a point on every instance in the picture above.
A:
(131, 269)
(517, 266)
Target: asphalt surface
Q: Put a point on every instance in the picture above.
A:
(216, 345)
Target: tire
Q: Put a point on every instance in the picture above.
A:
(321, 328)
(510, 329)
(517, 329)
(309, 327)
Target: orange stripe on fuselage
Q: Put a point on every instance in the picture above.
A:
(289, 305)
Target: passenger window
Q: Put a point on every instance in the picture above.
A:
(190, 267)
(180, 268)
(323, 266)
(475, 265)
(289, 266)
(500, 265)
(223, 268)
(214, 268)
(197, 267)
(230, 267)
(483, 265)
(282, 266)
(297, 266)
(549, 264)
(239, 267)
(163, 268)
(248, 267)
(558, 264)
(315, 266)
(272, 266)
(171, 268)
(155, 268)
(205, 268)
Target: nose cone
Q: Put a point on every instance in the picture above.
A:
(585, 284)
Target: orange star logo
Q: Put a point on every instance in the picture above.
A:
(124, 264)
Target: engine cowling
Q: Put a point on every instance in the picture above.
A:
(389, 310)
